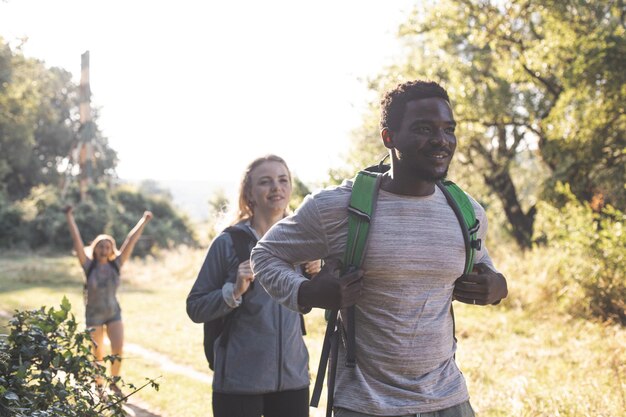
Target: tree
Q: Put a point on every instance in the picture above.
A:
(528, 79)
(39, 125)
(299, 190)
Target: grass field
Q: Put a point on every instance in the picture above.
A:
(522, 358)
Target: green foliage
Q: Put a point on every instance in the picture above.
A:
(589, 279)
(218, 202)
(47, 368)
(540, 77)
(39, 125)
(170, 229)
(38, 220)
(11, 233)
(298, 192)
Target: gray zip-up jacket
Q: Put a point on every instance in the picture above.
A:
(265, 351)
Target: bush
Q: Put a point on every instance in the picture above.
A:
(11, 227)
(590, 275)
(170, 228)
(38, 221)
(47, 369)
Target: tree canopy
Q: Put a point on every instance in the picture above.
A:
(39, 125)
(540, 81)
(39, 133)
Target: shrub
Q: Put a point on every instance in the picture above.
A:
(590, 274)
(11, 228)
(38, 221)
(47, 368)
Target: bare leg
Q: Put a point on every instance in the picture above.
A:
(115, 331)
(97, 338)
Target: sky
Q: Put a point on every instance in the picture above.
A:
(195, 90)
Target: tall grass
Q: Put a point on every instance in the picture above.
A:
(525, 357)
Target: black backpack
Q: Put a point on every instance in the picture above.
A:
(243, 242)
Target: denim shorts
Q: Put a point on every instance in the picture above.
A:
(99, 317)
(461, 410)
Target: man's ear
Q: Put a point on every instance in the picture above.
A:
(385, 134)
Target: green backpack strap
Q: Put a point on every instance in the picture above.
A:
(360, 211)
(362, 203)
(464, 211)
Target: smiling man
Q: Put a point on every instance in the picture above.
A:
(415, 255)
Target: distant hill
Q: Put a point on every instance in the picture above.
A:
(192, 197)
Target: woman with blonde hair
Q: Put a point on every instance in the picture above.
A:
(261, 362)
(102, 261)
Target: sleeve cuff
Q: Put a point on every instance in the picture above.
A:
(300, 309)
(228, 295)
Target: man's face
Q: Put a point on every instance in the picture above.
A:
(424, 143)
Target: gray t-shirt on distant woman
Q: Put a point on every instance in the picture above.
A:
(102, 284)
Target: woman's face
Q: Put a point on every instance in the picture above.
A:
(270, 188)
(103, 250)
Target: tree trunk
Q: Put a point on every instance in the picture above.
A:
(521, 223)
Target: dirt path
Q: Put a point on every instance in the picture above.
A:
(166, 364)
(136, 408)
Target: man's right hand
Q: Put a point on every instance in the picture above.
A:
(329, 290)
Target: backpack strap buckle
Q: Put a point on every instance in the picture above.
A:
(474, 228)
(363, 216)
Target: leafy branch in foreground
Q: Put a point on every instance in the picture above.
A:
(47, 368)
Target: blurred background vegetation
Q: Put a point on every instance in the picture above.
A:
(538, 89)
(39, 133)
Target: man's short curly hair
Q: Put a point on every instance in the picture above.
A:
(394, 102)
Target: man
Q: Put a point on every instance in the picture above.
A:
(402, 295)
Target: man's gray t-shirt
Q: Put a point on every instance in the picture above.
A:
(405, 345)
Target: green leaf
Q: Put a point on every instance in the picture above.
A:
(65, 305)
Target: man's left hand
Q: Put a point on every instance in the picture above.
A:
(483, 287)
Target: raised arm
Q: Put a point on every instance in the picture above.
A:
(133, 237)
(79, 247)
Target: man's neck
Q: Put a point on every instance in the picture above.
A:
(403, 185)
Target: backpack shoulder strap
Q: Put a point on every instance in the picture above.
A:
(464, 211)
(360, 210)
(88, 272)
(90, 269)
(242, 241)
(115, 266)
